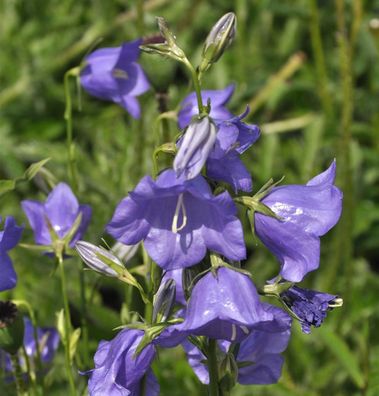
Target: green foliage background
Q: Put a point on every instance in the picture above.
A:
(309, 70)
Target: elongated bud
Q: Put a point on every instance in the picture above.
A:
(11, 327)
(195, 147)
(99, 259)
(164, 301)
(219, 38)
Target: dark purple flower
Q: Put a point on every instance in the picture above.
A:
(61, 209)
(178, 221)
(225, 306)
(48, 342)
(307, 212)
(118, 372)
(194, 147)
(258, 354)
(114, 74)
(310, 306)
(9, 238)
(218, 100)
(234, 137)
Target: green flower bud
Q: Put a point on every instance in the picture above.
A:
(219, 38)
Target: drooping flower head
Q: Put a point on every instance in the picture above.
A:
(118, 371)
(310, 306)
(9, 238)
(114, 74)
(307, 212)
(224, 306)
(178, 221)
(61, 209)
(260, 352)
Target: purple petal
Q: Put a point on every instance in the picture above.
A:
(266, 371)
(35, 213)
(11, 234)
(8, 278)
(61, 208)
(297, 251)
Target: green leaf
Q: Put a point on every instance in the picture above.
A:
(7, 185)
(61, 325)
(342, 352)
(75, 336)
(35, 168)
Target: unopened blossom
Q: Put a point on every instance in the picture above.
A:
(119, 371)
(195, 146)
(260, 352)
(113, 74)
(225, 306)
(218, 99)
(176, 275)
(306, 213)
(178, 220)
(310, 306)
(61, 209)
(9, 238)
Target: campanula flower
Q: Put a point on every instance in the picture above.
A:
(260, 352)
(118, 371)
(178, 221)
(9, 238)
(310, 306)
(224, 306)
(48, 342)
(218, 98)
(307, 212)
(194, 148)
(234, 137)
(114, 74)
(61, 209)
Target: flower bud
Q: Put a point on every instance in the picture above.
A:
(199, 139)
(99, 259)
(164, 301)
(125, 252)
(219, 38)
(11, 327)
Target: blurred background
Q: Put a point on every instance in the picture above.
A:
(309, 71)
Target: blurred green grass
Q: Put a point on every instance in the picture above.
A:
(310, 71)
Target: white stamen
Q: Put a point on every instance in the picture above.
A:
(244, 329)
(234, 332)
(179, 207)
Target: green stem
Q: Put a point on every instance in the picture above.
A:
(196, 84)
(17, 374)
(213, 368)
(67, 320)
(140, 18)
(69, 127)
(83, 308)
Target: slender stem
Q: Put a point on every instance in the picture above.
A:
(69, 128)
(140, 18)
(83, 308)
(67, 332)
(17, 374)
(213, 368)
(196, 84)
(30, 376)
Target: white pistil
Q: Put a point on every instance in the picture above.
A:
(179, 208)
(245, 329)
(234, 332)
(119, 73)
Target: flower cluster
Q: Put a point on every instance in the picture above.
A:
(188, 222)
